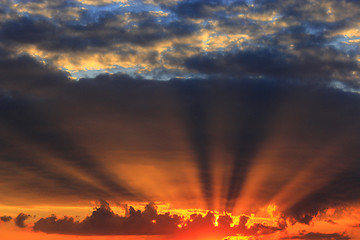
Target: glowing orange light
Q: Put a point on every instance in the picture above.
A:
(236, 238)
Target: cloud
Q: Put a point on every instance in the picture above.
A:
(5, 218)
(20, 220)
(52, 140)
(142, 29)
(330, 221)
(58, 146)
(255, 229)
(103, 221)
(321, 236)
(314, 64)
(24, 73)
(129, 35)
(199, 9)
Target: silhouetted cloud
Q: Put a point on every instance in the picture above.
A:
(238, 116)
(20, 220)
(103, 221)
(5, 218)
(321, 236)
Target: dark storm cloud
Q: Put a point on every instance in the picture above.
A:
(20, 220)
(321, 236)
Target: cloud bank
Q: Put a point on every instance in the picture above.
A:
(305, 126)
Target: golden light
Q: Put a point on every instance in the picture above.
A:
(236, 238)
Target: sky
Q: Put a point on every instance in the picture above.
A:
(183, 119)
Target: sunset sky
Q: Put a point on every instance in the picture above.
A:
(179, 119)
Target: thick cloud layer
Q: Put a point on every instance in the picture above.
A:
(311, 63)
(60, 134)
(5, 218)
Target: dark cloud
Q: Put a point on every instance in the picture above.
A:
(20, 220)
(81, 123)
(27, 74)
(102, 34)
(314, 64)
(310, 47)
(330, 221)
(22, 117)
(321, 236)
(334, 193)
(27, 30)
(103, 221)
(197, 9)
(5, 218)
(255, 229)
